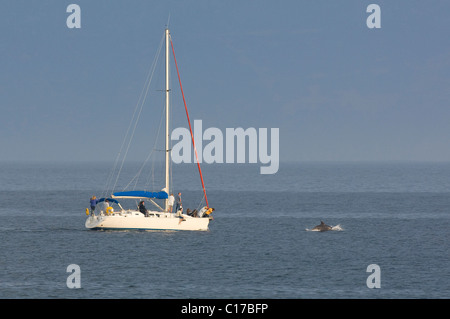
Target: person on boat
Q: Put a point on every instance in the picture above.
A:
(179, 212)
(170, 202)
(94, 202)
(180, 215)
(179, 204)
(142, 208)
(104, 206)
(191, 213)
(208, 212)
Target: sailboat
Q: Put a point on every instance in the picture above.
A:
(162, 218)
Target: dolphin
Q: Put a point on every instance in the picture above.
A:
(322, 227)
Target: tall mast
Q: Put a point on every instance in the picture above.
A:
(167, 117)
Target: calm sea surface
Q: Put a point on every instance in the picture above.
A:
(394, 215)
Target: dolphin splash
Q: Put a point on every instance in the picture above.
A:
(324, 227)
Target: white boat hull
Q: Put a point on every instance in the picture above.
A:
(156, 221)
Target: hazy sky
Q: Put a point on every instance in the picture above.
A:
(336, 89)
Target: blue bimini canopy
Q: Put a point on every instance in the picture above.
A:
(140, 194)
(109, 200)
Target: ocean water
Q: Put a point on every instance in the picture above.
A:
(394, 215)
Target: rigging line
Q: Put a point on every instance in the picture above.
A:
(146, 84)
(147, 81)
(200, 204)
(156, 139)
(151, 174)
(136, 177)
(173, 94)
(146, 89)
(189, 121)
(152, 177)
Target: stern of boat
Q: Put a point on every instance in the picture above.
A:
(93, 221)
